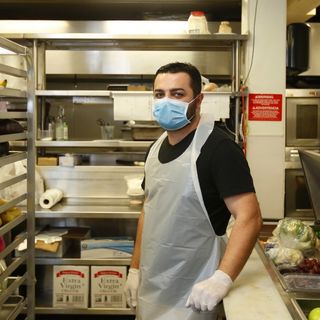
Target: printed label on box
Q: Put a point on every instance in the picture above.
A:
(70, 286)
(107, 287)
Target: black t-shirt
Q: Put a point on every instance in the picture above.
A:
(222, 169)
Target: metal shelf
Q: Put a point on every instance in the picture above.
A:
(12, 71)
(12, 224)
(73, 93)
(88, 311)
(90, 211)
(12, 308)
(94, 144)
(13, 157)
(103, 41)
(83, 262)
(13, 136)
(12, 46)
(9, 92)
(12, 115)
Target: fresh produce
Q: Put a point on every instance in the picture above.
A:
(310, 266)
(3, 83)
(285, 256)
(10, 214)
(314, 314)
(293, 233)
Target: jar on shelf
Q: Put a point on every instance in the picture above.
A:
(61, 125)
(225, 27)
(197, 23)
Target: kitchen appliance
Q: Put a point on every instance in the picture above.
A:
(311, 166)
(302, 118)
(297, 201)
(297, 48)
(302, 134)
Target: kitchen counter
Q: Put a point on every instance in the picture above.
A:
(255, 295)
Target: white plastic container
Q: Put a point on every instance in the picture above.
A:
(225, 27)
(197, 23)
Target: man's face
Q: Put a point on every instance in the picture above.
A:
(174, 86)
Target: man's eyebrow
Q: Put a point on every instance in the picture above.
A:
(171, 90)
(177, 89)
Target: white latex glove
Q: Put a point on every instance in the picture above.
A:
(131, 287)
(206, 294)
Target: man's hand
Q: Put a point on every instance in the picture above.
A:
(206, 294)
(131, 287)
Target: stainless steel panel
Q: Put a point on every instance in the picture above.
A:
(41, 28)
(12, 46)
(133, 62)
(302, 93)
(85, 182)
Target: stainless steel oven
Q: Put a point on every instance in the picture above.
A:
(302, 118)
(302, 132)
(297, 200)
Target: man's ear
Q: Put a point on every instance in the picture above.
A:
(199, 100)
(200, 97)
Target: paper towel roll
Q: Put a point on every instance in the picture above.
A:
(50, 197)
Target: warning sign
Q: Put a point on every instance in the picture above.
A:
(265, 107)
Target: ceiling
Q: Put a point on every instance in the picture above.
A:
(215, 10)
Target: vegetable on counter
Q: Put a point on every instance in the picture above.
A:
(314, 314)
(294, 245)
(293, 233)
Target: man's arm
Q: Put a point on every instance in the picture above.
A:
(135, 261)
(205, 295)
(245, 209)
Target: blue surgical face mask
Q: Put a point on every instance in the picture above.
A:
(171, 114)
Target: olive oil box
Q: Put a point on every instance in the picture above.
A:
(70, 286)
(107, 286)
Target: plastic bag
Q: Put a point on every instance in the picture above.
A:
(293, 233)
(15, 169)
(134, 185)
(285, 256)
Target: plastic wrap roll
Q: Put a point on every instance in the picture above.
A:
(50, 197)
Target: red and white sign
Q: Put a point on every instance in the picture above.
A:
(265, 107)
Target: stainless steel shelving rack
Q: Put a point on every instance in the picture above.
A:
(80, 41)
(11, 303)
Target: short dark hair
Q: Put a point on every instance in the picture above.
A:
(192, 71)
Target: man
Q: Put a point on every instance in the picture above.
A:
(195, 178)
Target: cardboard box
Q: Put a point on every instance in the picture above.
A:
(70, 286)
(107, 286)
(104, 248)
(44, 249)
(47, 161)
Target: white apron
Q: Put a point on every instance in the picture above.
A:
(179, 246)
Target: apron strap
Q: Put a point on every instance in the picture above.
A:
(203, 131)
